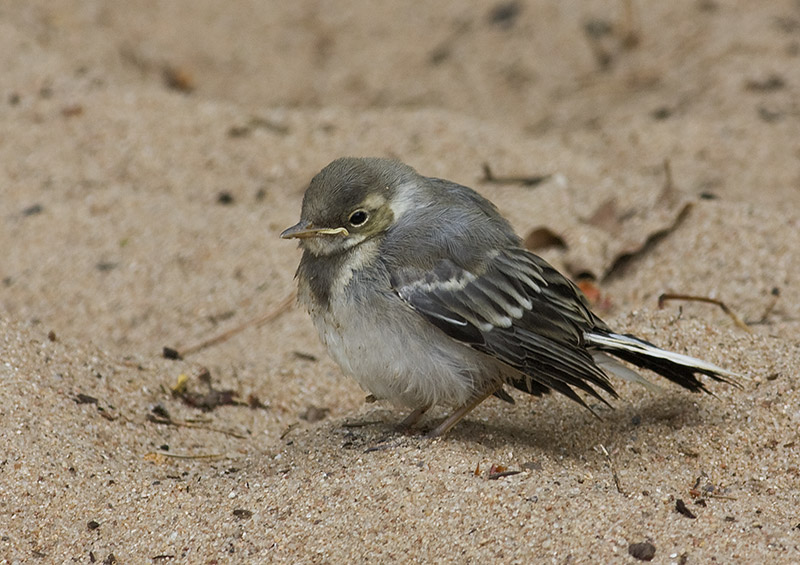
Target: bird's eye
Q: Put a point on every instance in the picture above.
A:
(358, 218)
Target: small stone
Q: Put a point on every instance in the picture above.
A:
(643, 551)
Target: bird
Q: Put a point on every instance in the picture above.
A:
(422, 292)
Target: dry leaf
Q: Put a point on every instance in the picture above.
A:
(606, 217)
(543, 238)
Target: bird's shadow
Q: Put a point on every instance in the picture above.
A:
(558, 427)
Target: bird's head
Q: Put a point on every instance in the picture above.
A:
(350, 201)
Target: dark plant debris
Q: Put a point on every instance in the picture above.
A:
(608, 40)
(171, 353)
(206, 401)
(670, 198)
(304, 356)
(225, 198)
(497, 471)
(160, 415)
(703, 488)
(255, 402)
(81, 398)
(661, 113)
(33, 210)
(505, 14)
(772, 82)
(256, 123)
(624, 258)
(524, 180)
(242, 514)
(681, 508)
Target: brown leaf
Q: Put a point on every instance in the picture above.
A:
(606, 217)
(600, 302)
(177, 79)
(497, 468)
(615, 234)
(543, 238)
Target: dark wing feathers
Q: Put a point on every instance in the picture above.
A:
(447, 320)
(516, 309)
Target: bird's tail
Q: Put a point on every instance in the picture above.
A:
(678, 368)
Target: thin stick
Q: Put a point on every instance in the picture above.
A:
(273, 314)
(736, 319)
(179, 424)
(176, 456)
(776, 294)
(611, 466)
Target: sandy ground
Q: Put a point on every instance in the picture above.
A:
(153, 151)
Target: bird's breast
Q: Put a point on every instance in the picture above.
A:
(392, 351)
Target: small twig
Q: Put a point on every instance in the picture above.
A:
(532, 180)
(167, 421)
(279, 309)
(500, 474)
(176, 456)
(382, 447)
(736, 319)
(360, 424)
(613, 470)
(289, 429)
(776, 294)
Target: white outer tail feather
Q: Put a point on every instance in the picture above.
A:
(614, 341)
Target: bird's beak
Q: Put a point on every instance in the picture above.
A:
(303, 230)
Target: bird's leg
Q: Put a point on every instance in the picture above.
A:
(412, 418)
(456, 416)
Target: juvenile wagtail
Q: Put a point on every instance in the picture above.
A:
(424, 294)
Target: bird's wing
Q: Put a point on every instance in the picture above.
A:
(517, 309)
